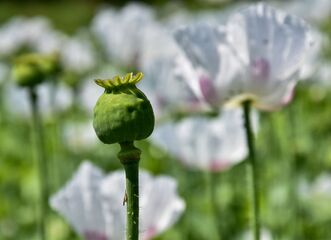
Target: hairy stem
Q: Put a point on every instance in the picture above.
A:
(130, 156)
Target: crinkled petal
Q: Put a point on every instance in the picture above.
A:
(79, 200)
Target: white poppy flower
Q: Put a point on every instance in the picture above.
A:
(80, 136)
(160, 206)
(257, 56)
(155, 35)
(310, 67)
(272, 46)
(317, 11)
(77, 54)
(209, 65)
(166, 92)
(121, 31)
(10, 36)
(165, 89)
(50, 99)
(80, 202)
(34, 33)
(213, 144)
(93, 204)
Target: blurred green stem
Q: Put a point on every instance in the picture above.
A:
(213, 182)
(252, 171)
(293, 172)
(54, 125)
(41, 160)
(2, 109)
(130, 156)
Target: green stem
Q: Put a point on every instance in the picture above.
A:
(2, 110)
(213, 180)
(252, 171)
(297, 229)
(130, 156)
(54, 126)
(41, 161)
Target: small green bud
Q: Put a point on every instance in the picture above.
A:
(32, 69)
(72, 79)
(122, 113)
(50, 64)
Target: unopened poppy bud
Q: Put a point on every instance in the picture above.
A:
(122, 113)
(50, 64)
(32, 69)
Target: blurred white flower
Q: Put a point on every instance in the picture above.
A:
(50, 42)
(320, 187)
(153, 36)
(166, 92)
(160, 206)
(209, 64)
(35, 33)
(12, 36)
(256, 57)
(179, 16)
(90, 91)
(80, 202)
(213, 144)
(93, 204)
(162, 85)
(311, 66)
(121, 32)
(323, 74)
(317, 10)
(316, 196)
(50, 98)
(265, 235)
(80, 136)
(78, 54)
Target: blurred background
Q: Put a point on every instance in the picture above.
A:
(100, 39)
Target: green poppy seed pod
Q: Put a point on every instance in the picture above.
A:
(122, 113)
(32, 69)
(50, 64)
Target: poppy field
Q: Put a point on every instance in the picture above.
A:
(197, 120)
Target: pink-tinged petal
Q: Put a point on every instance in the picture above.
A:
(208, 90)
(219, 166)
(289, 96)
(281, 95)
(91, 235)
(150, 233)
